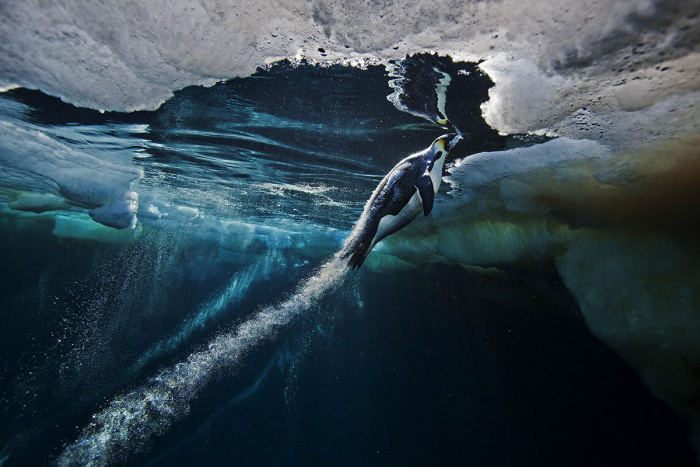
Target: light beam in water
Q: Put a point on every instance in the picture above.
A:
(211, 309)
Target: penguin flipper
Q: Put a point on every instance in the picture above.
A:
(424, 185)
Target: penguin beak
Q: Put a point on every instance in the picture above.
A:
(453, 142)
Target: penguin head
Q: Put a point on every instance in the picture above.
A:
(446, 142)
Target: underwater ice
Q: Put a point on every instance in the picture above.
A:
(34, 161)
(614, 226)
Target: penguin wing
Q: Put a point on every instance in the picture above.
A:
(389, 198)
(424, 185)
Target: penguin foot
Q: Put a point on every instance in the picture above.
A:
(357, 255)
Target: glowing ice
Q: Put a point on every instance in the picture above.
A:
(47, 165)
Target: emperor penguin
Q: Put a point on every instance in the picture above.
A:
(409, 188)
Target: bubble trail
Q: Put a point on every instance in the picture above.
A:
(131, 420)
(230, 296)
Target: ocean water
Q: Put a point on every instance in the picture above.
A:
(171, 210)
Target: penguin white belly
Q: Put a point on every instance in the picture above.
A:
(436, 172)
(390, 223)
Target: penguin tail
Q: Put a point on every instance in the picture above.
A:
(357, 253)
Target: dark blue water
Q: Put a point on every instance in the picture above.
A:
(244, 189)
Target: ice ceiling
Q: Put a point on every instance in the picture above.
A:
(581, 69)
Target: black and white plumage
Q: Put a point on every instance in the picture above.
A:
(409, 188)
